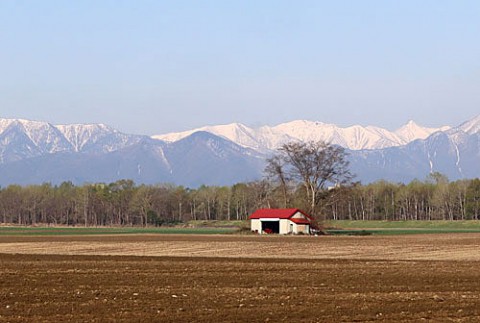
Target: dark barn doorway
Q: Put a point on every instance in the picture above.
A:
(271, 226)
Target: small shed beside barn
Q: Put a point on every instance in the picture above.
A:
(281, 221)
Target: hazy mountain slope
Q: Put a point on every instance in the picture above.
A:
(201, 158)
(205, 158)
(454, 153)
(143, 163)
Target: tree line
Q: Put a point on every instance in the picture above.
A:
(126, 204)
(433, 199)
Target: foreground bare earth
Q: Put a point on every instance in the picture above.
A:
(175, 278)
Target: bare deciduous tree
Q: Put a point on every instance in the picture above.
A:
(275, 170)
(313, 164)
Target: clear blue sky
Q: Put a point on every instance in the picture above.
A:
(151, 67)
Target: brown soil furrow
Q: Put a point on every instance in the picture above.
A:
(422, 247)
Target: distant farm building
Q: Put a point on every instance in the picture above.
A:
(281, 221)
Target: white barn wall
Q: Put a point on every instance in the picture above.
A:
(256, 225)
(284, 226)
(295, 228)
(304, 228)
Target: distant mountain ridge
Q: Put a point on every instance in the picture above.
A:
(454, 152)
(20, 139)
(354, 137)
(33, 152)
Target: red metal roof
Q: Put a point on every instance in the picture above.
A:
(300, 221)
(278, 213)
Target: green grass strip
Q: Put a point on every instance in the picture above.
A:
(437, 224)
(108, 231)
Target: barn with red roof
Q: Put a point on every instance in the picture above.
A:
(281, 221)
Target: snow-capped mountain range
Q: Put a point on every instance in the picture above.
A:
(355, 137)
(33, 152)
(20, 139)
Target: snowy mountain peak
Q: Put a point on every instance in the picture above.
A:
(79, 135)
(472, 126)
(354, 137)
(412, 131)
(26, 138)
(43, 135)
(263, 138)
(26, 124)
(266, 138)
(96, 137)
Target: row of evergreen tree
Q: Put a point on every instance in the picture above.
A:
(124, 203)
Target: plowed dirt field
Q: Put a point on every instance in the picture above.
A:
(174, 278)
